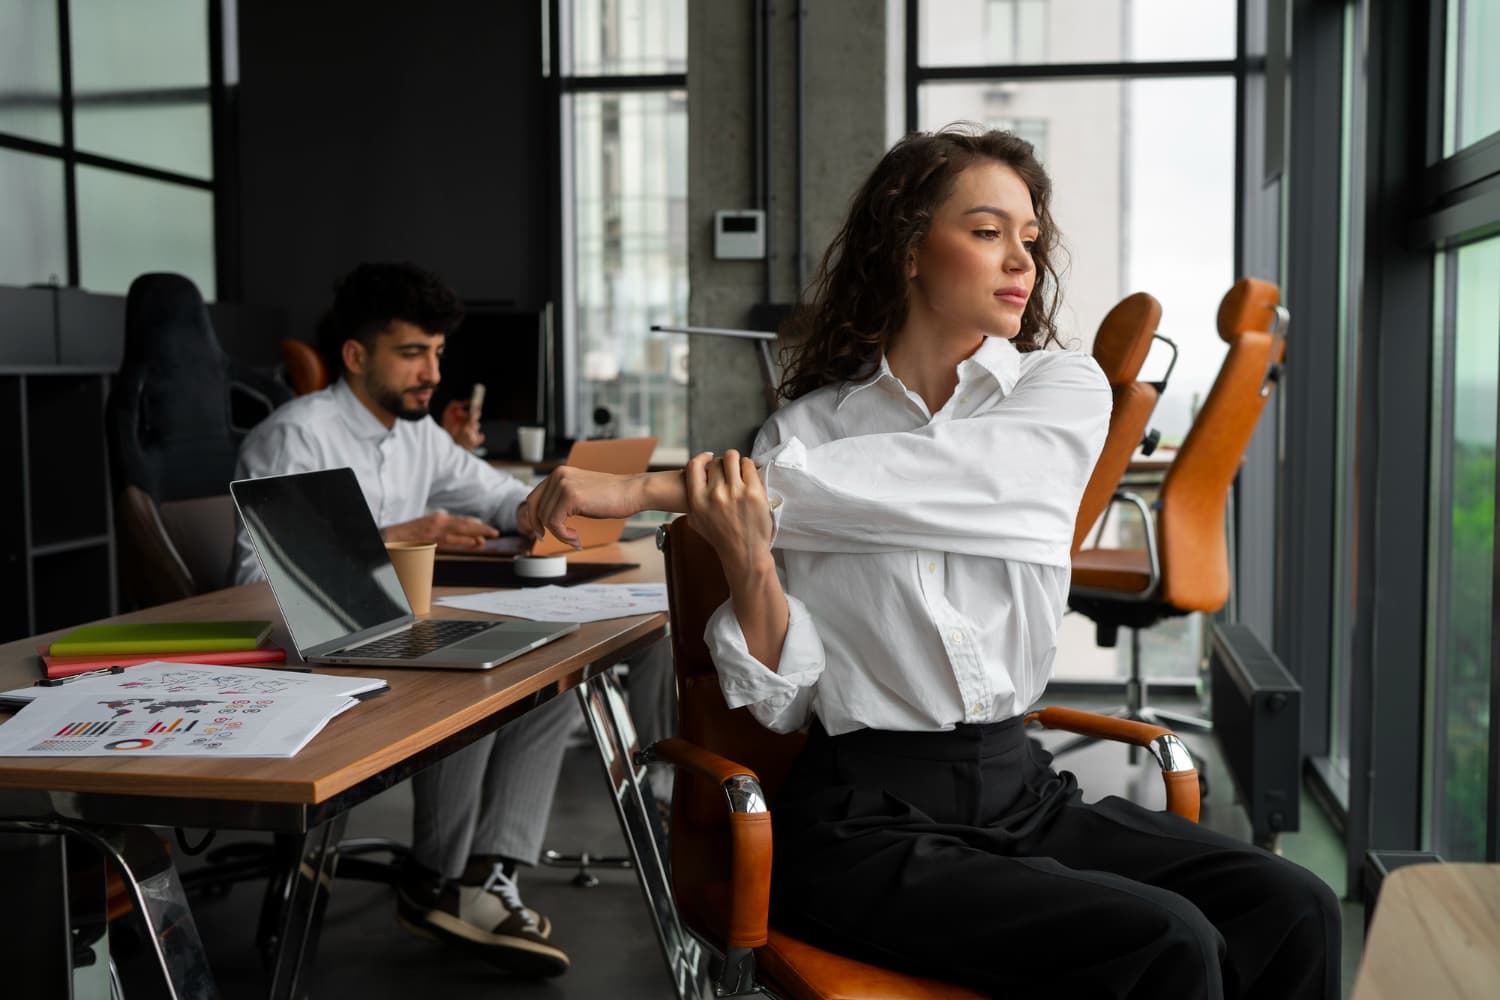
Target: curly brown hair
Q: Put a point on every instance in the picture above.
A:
(859, 295)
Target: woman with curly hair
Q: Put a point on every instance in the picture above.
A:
(897, 552)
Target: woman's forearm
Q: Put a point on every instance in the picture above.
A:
(664, 491)
(760, 606)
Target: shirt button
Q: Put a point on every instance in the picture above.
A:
(958, 637)
(932, 567)
(977, 707)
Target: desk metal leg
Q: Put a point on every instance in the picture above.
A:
(302, 907)
(146, 866)
(604, 705)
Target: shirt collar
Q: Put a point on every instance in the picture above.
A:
(999, 357)
(361, 421)
(996, 355)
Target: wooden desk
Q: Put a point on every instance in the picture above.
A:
(426, 715)
(1436, 934)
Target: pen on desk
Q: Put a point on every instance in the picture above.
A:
(50, 682)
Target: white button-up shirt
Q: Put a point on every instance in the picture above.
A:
(404, 472)
(925, 556)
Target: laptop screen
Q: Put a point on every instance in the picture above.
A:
(322, 553)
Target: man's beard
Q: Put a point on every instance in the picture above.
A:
(394, 401)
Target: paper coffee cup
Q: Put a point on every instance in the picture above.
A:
(414, 562)
(533, 442)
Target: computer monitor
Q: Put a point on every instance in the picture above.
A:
(503, 347)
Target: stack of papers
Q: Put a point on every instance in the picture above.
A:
(178, 710)
(589, 602)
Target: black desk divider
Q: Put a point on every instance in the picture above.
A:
(497, 573)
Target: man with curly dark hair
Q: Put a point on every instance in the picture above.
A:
(482, 811)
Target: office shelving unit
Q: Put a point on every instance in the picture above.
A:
(58, 349)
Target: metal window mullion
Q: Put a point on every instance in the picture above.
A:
(913, 71)
(1441, 561)
(1075, 71)
(70, 168)
(1395, 420)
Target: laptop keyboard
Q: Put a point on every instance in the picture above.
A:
(421, 638)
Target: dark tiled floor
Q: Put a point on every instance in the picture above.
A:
(363, 953)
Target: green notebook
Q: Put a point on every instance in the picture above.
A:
(161, 637)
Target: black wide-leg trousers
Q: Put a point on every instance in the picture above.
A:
(964, 855)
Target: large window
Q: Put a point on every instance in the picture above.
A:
(106, 173)
(1464, 515)
(1466, 336)
(1462, 807)
(624, 115)
(1131, 107)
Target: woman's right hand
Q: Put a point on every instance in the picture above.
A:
(570, 491)
(730, 509)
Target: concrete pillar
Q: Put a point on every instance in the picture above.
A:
(843, 135)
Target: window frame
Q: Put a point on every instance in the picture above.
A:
(71, 158)
(562, 85)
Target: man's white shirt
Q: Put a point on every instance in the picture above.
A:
(925, 556)
(404, 472)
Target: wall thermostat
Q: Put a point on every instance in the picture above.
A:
(740, 235)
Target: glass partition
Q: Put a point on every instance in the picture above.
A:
(1464, 565)
(141, 83)
(1001, 32)
(30, 73)
(628, 37)
(33, 237)
(130, 225)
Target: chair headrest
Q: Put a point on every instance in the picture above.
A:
(1249, 305)
(166, 322)
(1124, 337)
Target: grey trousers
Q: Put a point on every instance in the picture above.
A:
(495, 795)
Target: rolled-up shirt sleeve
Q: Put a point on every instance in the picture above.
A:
(1003, 484)
(779, 699)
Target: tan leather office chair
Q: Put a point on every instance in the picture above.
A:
(1120, 347)
(1184, 565)
(306, 370)
(730, 767)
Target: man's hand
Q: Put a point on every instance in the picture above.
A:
(461, 425)
(569, 491)
(453, 530)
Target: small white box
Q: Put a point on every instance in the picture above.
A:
(740, 235)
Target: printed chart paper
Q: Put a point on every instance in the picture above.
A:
(199, 679)
(82, 720)
(589, 602)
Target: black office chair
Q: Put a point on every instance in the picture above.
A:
(176, 414)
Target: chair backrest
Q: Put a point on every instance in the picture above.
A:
(700, 827)
(173, 438)
(1190, 523)
(305, 369)
(173, 551)
(1120, 348)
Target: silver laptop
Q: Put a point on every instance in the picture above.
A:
(338, 591)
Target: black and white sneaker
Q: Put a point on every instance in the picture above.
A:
(482, 913)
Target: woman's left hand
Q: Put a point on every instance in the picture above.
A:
(730, 509)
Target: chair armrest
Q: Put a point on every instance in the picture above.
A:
(1177, 770)
(749, 835)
